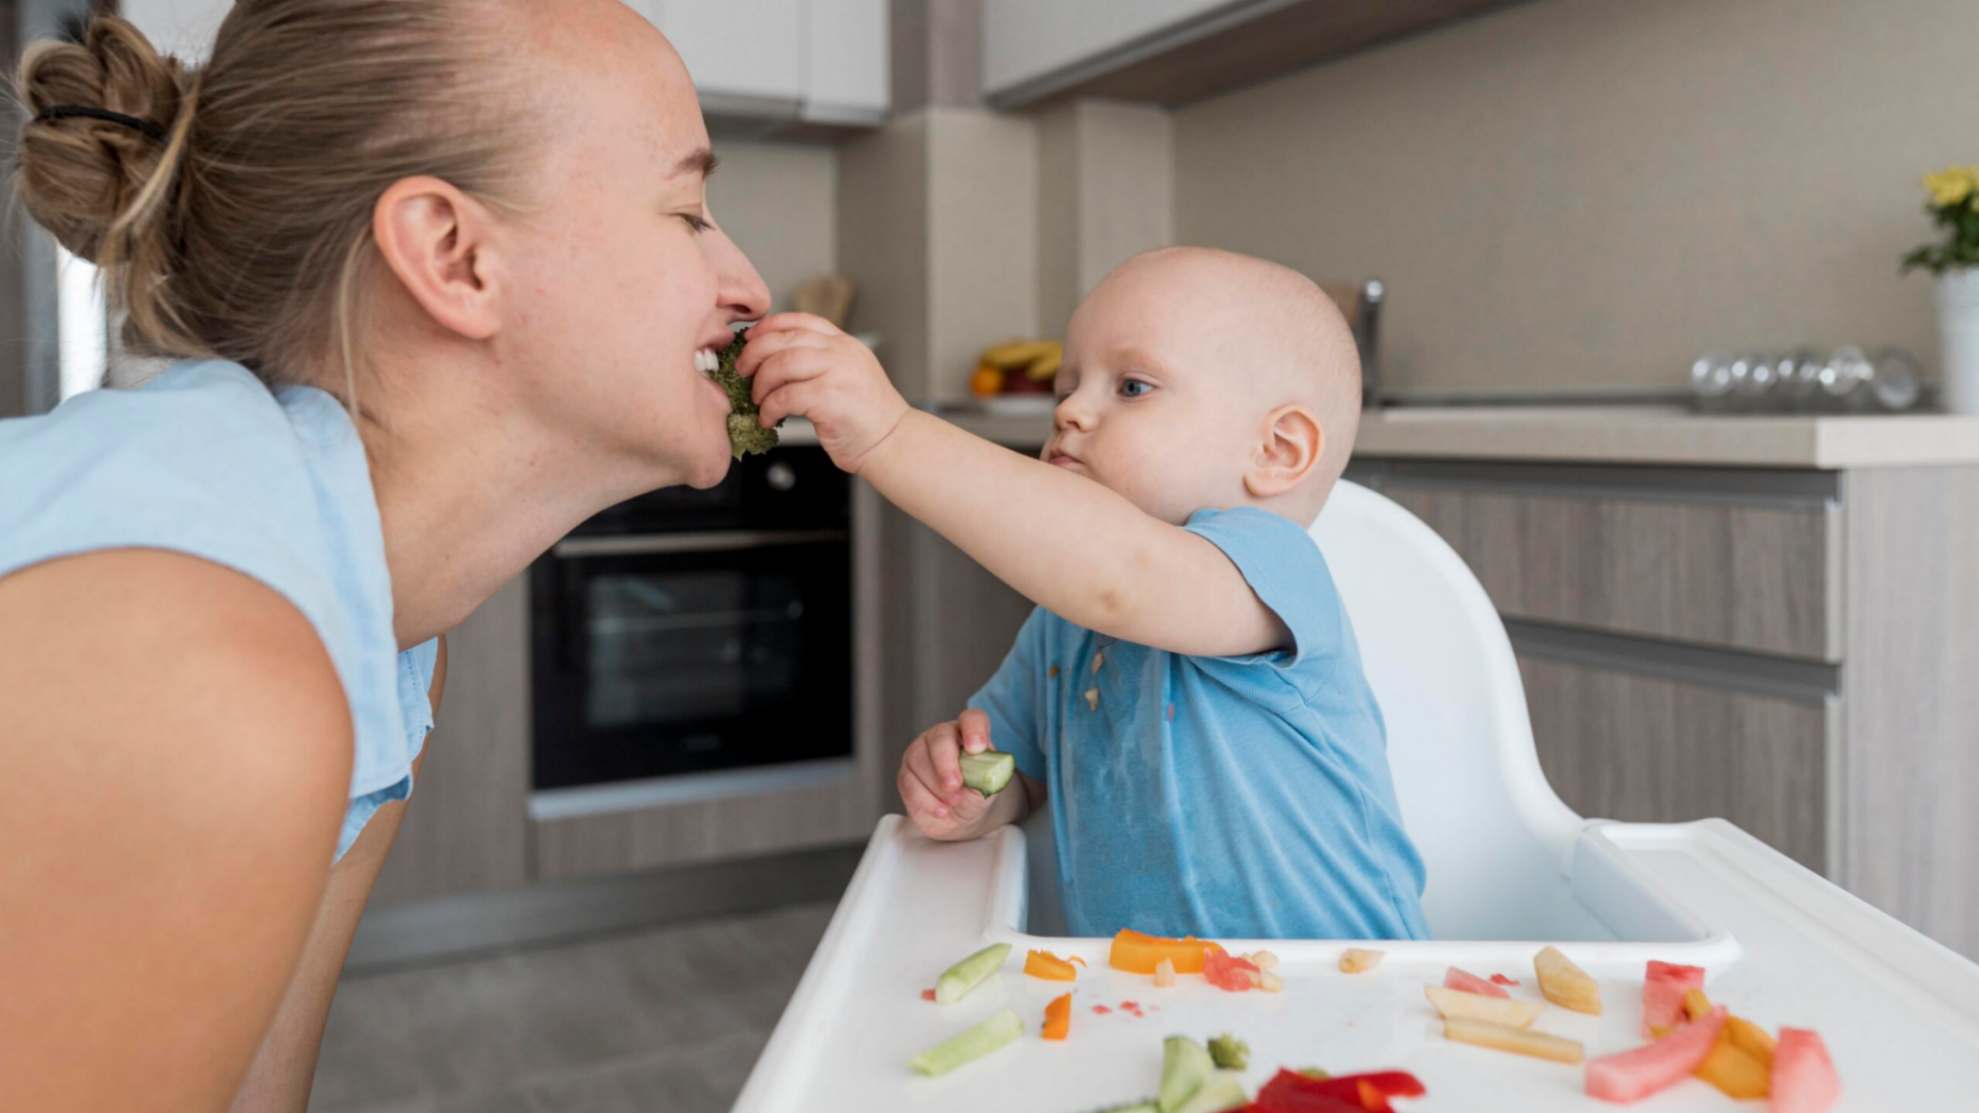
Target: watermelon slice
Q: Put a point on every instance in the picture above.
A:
(1470, 983)
(1804, 1079)
(1663, 987)
(1630, 1075)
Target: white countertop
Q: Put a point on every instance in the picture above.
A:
(1667, 435)
(1621, 434)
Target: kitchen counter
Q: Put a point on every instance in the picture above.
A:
(1623, 434)
(1667, 435)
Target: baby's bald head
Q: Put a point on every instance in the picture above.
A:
(1272, 338)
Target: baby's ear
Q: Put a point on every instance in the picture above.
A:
(1287, 452)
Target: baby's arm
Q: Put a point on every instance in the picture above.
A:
(931, 786)
(1067, 543)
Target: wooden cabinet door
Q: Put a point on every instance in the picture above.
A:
(1657, 556)
(1653, 746)
(465, 827)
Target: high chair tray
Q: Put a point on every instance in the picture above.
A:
(1899, 1013)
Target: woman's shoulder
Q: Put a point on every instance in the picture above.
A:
(203, 456)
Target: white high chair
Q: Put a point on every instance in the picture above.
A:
(1459, 741)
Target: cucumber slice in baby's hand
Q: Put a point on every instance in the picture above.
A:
(956, 981)
(970, 1045)
(988, 773)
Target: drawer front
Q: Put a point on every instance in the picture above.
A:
(1758, 574)
(1642, 747)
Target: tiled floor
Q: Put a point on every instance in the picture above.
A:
(669, 1019)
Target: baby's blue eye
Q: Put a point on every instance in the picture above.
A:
(1134, 388)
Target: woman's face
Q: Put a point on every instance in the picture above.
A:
(620, 273)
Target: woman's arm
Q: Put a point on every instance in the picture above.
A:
(284, 1067)
(177, 753)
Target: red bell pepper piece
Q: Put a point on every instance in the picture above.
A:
(1291, 1092)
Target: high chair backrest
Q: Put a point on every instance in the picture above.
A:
(1473, 797)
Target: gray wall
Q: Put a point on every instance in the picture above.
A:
(1583, 194)
(779, 202)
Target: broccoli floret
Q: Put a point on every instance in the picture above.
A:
(1229, 1052)
(745, 434)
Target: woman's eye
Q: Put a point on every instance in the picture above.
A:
(1134, 388)
(699, 225)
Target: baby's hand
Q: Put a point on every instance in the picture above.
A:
(804, 365)
(931, 779)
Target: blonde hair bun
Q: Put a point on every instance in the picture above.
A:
(100, 186)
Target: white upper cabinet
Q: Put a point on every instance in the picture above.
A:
(1028, 41)
(846, 75)
(180, 27)
(817, 60)
(737, 48)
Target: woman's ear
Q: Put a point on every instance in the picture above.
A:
(1291, 445)
(439, 242)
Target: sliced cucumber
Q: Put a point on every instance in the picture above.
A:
(956, 982)
(1229, 1052)
(1185, 1066)
(1136, 1107)
(968, 1046)
(988, 773)
(1220, 1092)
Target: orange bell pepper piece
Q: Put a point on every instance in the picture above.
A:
(1057, 1017)
(1044, 964)
(1140, 954)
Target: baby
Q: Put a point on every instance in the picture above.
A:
(1187, 698)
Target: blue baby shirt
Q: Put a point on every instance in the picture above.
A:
(1233, 797)
(207, 461)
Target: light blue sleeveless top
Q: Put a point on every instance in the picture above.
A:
(206, 460)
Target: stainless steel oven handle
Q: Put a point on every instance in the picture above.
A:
(645, 544)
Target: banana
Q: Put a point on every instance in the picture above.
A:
(1045, 366)
(1012, 354)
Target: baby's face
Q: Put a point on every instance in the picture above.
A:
(1150, 401)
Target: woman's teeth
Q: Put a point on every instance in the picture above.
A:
(706, 361)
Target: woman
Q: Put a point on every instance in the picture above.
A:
(438, 272)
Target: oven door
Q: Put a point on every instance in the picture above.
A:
(665, 653)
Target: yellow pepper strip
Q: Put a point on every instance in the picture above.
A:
(1735, 1071)
(1044, 964)
(1696, 1004)
(1751, 1039)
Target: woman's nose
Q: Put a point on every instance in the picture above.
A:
(739, 289)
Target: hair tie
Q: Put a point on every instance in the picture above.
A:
(65, 111)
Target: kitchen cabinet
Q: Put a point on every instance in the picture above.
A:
(821, 62)
(1788, 648)
(1755, 566)
(464, 829)
(1677, 747)
(1172, 52)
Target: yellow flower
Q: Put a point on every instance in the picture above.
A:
(1952, 186)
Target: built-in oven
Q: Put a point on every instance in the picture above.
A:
(687, 631)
